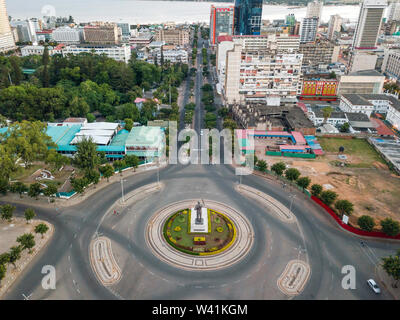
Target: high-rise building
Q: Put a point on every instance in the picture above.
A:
(221, 22)
(369, 24)
(314, 10)
(6, 37)
(308, 29)
(394, 11)
(175, 36)
(335, 23)
(248, 15)
(102, 33)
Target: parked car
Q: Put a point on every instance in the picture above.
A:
(373, 286)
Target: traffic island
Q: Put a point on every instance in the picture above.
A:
(172, 238)
(294, 277)
(103, 262)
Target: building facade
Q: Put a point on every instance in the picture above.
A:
(68, 35)
(361, 82)
(319, 89)
(319, 52)
(391, 64)
(248, 15)
(314, 10)
(221, 22)
(107, 33)
(119, 53)
(6, 37)
(308, 29)
(335, 24)
(176, 36)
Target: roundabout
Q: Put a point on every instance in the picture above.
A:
(228, 239)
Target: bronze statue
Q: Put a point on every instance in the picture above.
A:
(198, 208)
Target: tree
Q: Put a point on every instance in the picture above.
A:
(303, 182)
(327, 111)
(7, 211)
(344, 207)
(27, 241)
(107, 171)
(15, 254)
(19, 187)
(132, 161)
(29, 214)
(4, 258)
(3, 270)
(262, 165)
(119, 165)
(128, 124)
(86, 154)
(50, 191)
(345, 127)
(292, 174)
(366, 223)
(79, 185)
(278, 168)
(316, 189)
(328, 197)
(41, 228)
(390, 227)
(34, 190)
(93, 176)
(391, 265)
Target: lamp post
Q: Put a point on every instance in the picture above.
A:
(122, 190)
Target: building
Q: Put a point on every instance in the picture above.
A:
(176, 36)
(44, 35)
(314, 10)
(68, 35)
(119, 53)
(319, 89)
(173, 56)
(269, 72)
(25, 29)
(248, 14)
(319, 52)
(102, 33)
(316, 115)
(361, 82)
(308, 29)
(221, 22)
(334, 27)
(125, 29)
(141, 41)
(145, 142)
(363, 60)
(391, 64)
(369, 103)
(394, 11)
(6, 37)
(35, 50)
(369, 24)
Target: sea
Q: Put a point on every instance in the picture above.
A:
(143, 12)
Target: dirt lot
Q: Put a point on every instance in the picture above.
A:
(365, 180)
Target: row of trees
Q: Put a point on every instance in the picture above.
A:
(329, 197)
(26, 241)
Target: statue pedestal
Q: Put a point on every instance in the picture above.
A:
(195, 226)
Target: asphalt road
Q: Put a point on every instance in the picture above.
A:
(317, 239)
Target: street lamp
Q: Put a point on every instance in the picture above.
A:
(122, 190)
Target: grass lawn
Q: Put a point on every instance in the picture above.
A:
(358, 148)
(24, 173)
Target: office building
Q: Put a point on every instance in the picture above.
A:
(248, 15)
(68, 35)
(391, 64)
(369, 24)
(102, 33)
(175, 36)
(334, 27)
(314, 10)
(6, 37)
(361, 82)
(119, 53)
(308, 29)
(221, 22)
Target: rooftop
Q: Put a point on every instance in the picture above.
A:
(356, 99)
(144, 136)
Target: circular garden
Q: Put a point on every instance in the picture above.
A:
(221, 235)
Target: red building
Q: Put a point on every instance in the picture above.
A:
(321, 89)
(221, 22)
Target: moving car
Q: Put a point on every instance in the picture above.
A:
(373, 286)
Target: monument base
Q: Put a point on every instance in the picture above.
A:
(195, 226)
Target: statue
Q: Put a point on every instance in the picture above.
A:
(198, 208)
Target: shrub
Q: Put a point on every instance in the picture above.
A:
(344, 207)
(366, 223)
(219, 229)
(177, 228)
(390, 227)
(303, 182)
(292, 174)
(278, 168)
(328, 197)
(316, 190)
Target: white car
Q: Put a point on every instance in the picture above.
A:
(373, 286)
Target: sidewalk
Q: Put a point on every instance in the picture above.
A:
(387, 282)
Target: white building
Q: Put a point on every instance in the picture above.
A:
(368, 103)
(6, 37)
(270, 71)
(119, 53)
(369, 24)
(314, 10)
(335, 23)
(394, 11)
(391, 64)
(68, 35)
(173, 56)
(34, 50)
(308, 29)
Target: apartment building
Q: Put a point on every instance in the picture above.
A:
(119, 53)
(102, 33)
(308, 29)
(319, 52)
(262, 70)
(391, 63)
(173, 56)
(334, 27)
(176, 36)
